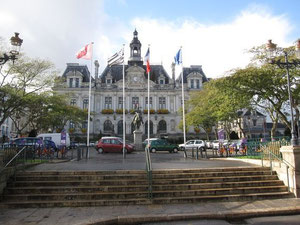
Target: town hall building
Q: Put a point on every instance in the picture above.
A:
(107, 95)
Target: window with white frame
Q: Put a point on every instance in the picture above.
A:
(108, 103)
(73, 102)
(146, 103)
(77, 82)
(192, 83)
(71, 124)
(135, 102)
(120, 102)
(85, 103)
(198, 84)
(71, 82)
(162, 103)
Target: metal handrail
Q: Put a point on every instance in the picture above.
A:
(287, 164)
(149, 171)
(12, 159)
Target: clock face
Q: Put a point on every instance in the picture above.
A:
(135, 78)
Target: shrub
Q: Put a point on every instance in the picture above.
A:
(107, 111)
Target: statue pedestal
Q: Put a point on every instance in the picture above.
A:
(138, 142)
(292, 155)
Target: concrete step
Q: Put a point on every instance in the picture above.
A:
(178, 200)
(233, 197)
(138, 195)
(95, 188)
(118, 188)
(137, 181)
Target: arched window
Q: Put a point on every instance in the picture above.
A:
(146, 127)
(120, 127)
(108, 126)
(162, 127)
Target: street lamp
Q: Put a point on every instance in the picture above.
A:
(272, 52)
(16, 43)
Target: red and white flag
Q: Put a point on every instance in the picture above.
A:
(147, 60)
(85, 52)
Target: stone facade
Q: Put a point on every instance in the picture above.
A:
(107, 95)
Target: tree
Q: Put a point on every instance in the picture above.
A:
(218, 101)
(21, 79)
(45, 111)
(268, 86)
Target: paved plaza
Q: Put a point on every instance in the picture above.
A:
(138, 214)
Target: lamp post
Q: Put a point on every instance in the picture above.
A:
(16, 43)
(273, 51)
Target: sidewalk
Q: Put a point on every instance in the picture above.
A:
(137, 214)
(149, 213)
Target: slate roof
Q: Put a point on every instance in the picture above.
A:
(117, 73)
(188, 70)
(248, 113)
(83, 69)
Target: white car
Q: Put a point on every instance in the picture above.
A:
(215, 144)
(193, 144)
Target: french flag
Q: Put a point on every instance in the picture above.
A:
(147, 60)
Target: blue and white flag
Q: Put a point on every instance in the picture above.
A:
(178, 57)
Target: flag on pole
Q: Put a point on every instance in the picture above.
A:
(85, 52)
(117, 58)
(178, 57)
(147, 60)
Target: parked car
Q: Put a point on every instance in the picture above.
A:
(50, 145)
(162, 145)
(28, 141)
(215, 144)
(113, 144)
(145, 142)
(193, 144)
(209, 144)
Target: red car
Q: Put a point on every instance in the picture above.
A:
(113, 144)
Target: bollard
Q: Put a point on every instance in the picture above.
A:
(78, 153)
(197, 154)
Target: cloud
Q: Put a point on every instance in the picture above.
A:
(56, 30)
(218, 47)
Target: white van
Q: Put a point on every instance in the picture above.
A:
(56, 138)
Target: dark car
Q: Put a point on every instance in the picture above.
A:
(162, 145)
(28, 141)
(113, 144)
(50, 145)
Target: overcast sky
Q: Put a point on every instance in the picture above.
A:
(214, 34)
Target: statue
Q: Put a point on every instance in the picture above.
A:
(137, 120)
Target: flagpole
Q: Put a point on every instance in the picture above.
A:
(183, 108)
(89, 107)
(148, 106)
(124, 128)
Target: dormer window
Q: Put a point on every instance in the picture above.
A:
(192, 83)
(108, 81)
(77, 82)
(71, 82)
(161, 79)
(198, 84)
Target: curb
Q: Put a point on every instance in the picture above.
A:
(225, 215)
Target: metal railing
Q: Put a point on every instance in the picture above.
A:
(149, 172)
(13, 159)
(278, 157)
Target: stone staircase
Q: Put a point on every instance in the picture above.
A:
(98, 188)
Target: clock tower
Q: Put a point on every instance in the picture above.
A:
(135, 51)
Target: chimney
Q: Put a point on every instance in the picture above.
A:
(173, 71)
(96, 68)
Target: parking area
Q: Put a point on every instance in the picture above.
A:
(136, 161)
